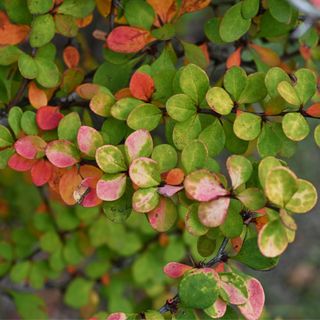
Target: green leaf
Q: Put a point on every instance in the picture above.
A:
(251, 256)
(20, 271)
(4, 157)
(113, 131)
(181, 107)
(78, 292)
(17, 11)
(194, 54)
(9, 55)
(280, 185)
(39, 6)
(317, 135)
(27, 66)
(110, 159)
(166, 157)
(42, 30)
(29, 306)
(304, 199)
(211, 30)
(233, 25)
(219, 100)
(250, 8)
(239, 169)
(145, 200)
(28, 123)
(233, 225)
(255, 89)
(6, 139)
(146, 116)
(166, 32)
(48, 73)
(306, 85)
(272, 239)
(233, 143)
(69, 126)
(77, 8)
(281, 10)
(50, 241)
(247, 126)
(198, 289)
(144, 172)
(295, 126)
(119, 210)
(139, 14)
(193, 156)
(252, 198)
(269, 143)
(192, 222)
(185, 132)
(194, 82)
(214, 138)
(66, 25)
(122, 108)
(288, 93)
(235, 80)
(206, 246)
(273, 77)
(265, 166)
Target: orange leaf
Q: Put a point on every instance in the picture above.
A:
(165, 10)
(71, 56)
(104, 7)
(314, 110)
(267, 56)
(68, 184)
(37, 97)
(204, 49)
(194, 5)
(141, 86)
(87, 90)
(234, 60)
(88, 171)
(54, 181)
(123, 93)
(128, 39)
(11, 34)
(83, 22)
(305, 52)
(174, 177)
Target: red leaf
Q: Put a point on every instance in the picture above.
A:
(18, 163)
(71, 57)
(314, 110)
(234, 60)
(48, 118)
(176, 269)
(141, 86)
(30, 147)
(128, 39)
(117, 316)
(86, 193)
(41, 172)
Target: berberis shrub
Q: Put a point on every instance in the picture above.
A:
(132, 216)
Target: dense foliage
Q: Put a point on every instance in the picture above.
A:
(160, 171)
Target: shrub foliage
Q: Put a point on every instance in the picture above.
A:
(132, 214)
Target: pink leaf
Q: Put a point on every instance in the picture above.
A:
(86, 193)
(111, 186)
(202, 185)
(30, 147)
(48, 118)
(89, 139)
(169, 191)
(253, 308)
(141, 86)
(212, 214)
(138, 144)
(18, 163)
(62, 153)
(41, 172)
(176, 269)
(117, 316)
